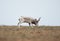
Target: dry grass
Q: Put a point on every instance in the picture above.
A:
(42, 33)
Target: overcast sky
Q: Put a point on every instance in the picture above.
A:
(48, 10)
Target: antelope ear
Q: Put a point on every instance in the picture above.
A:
(39, 19)
(35, 19)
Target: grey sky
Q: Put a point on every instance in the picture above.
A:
(48, 10)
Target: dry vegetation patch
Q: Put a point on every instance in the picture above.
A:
(25, 33)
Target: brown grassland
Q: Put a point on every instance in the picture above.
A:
(26, 33)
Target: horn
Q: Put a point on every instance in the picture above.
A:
(39, 19)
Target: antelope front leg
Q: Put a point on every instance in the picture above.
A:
(31, 25)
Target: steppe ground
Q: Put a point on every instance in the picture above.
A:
(26, 33)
